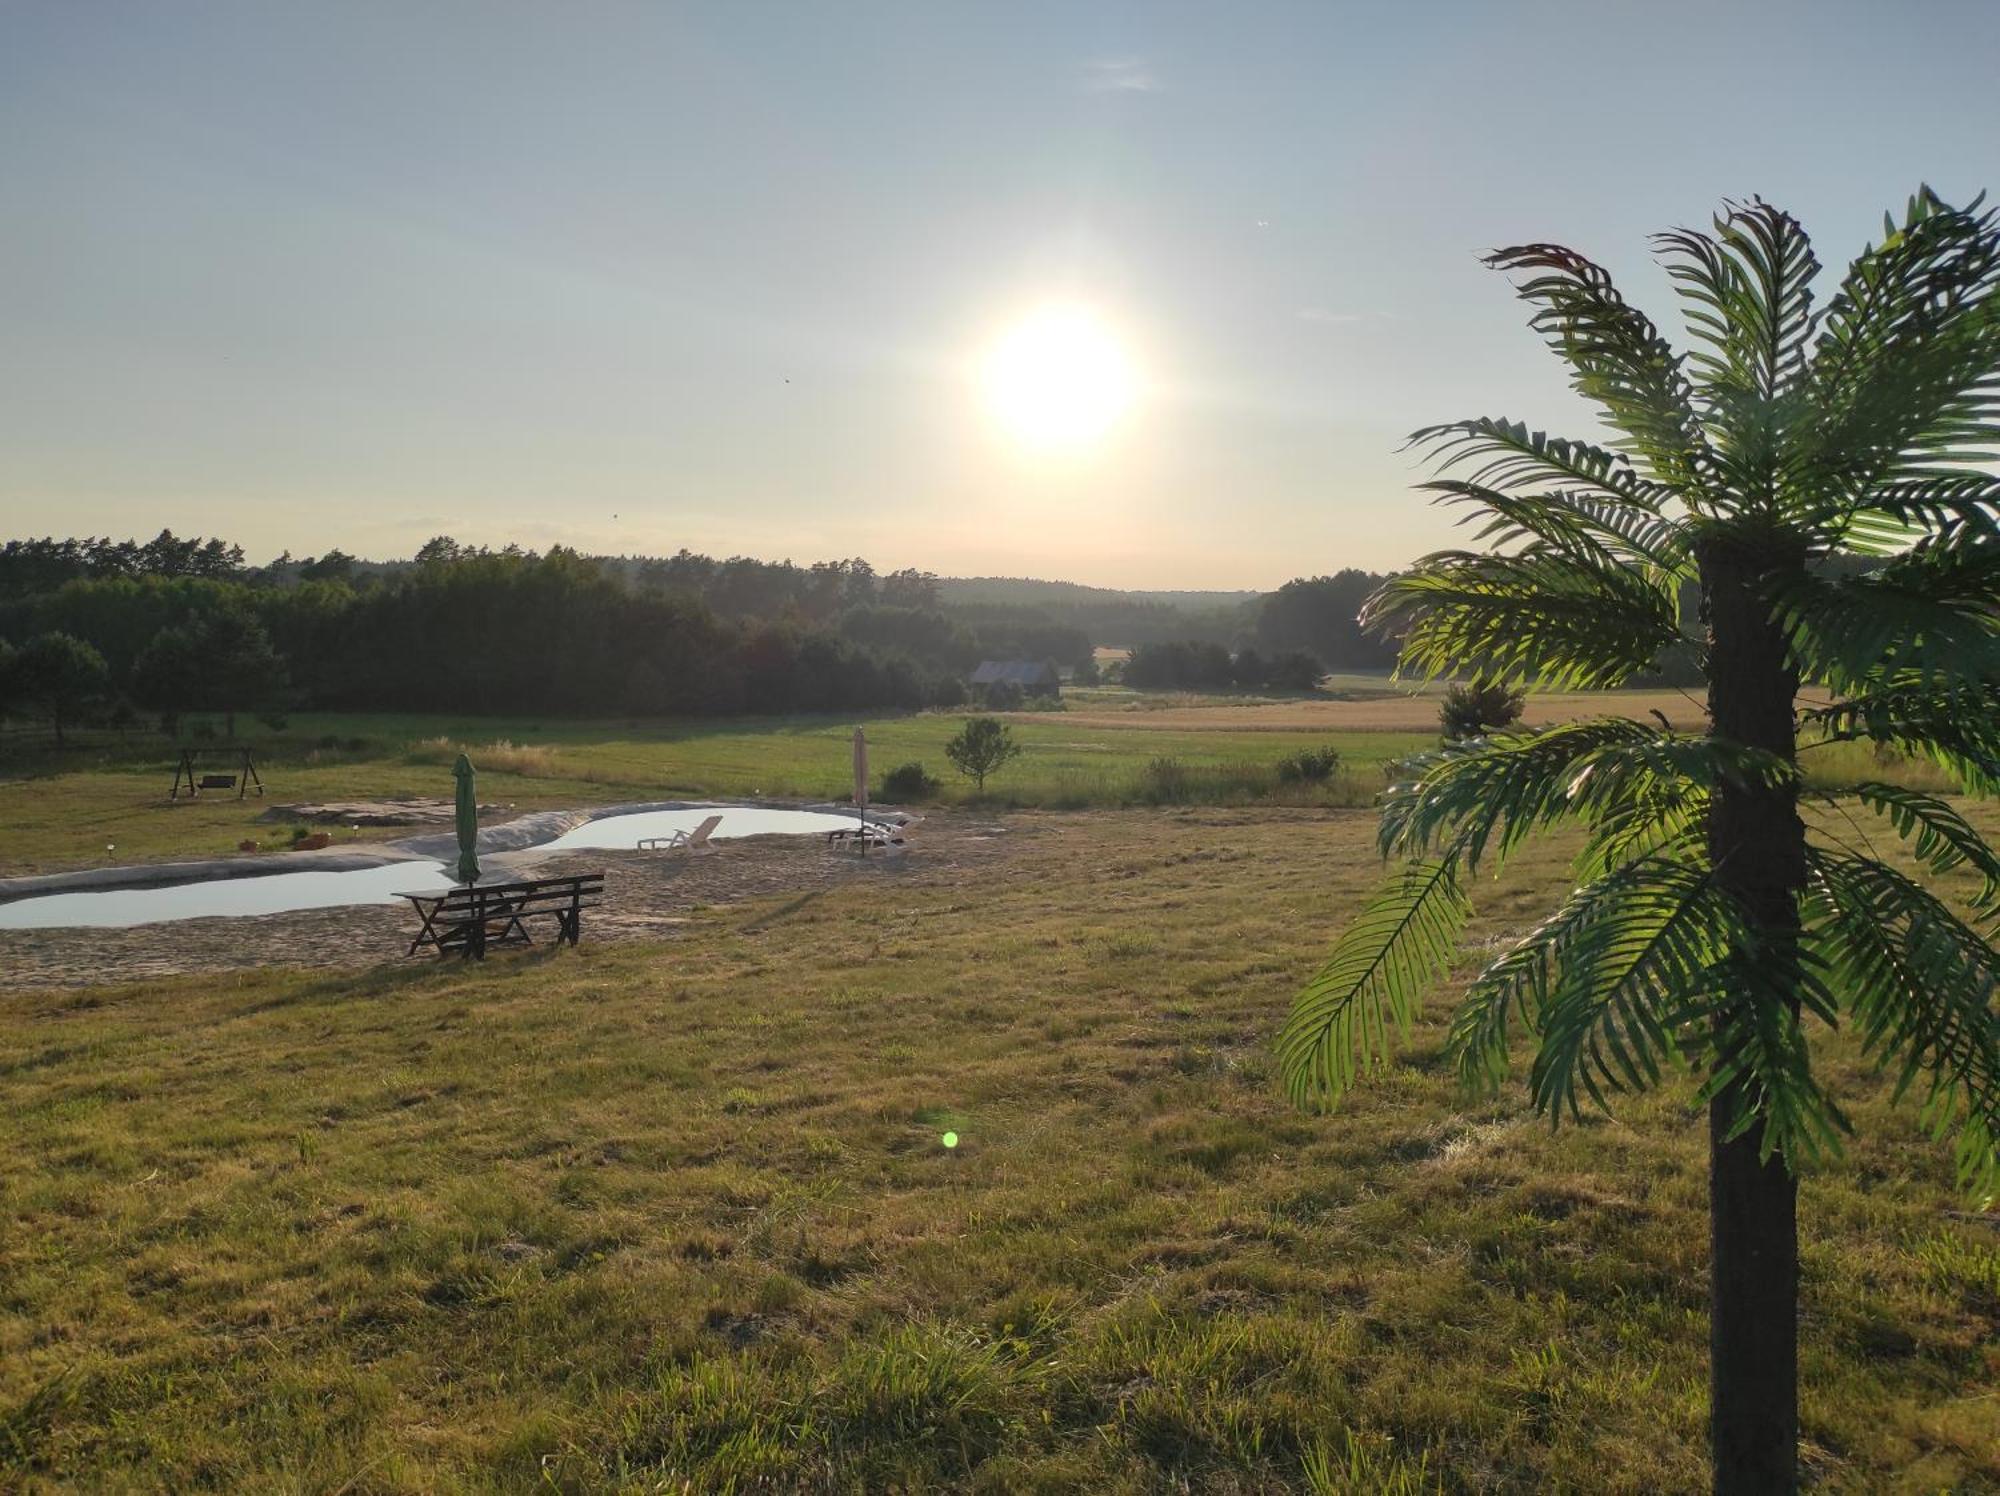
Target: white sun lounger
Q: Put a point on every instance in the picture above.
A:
(696, 840)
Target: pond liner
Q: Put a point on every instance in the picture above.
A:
(522, 834)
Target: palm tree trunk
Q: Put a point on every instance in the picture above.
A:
(1757, 844)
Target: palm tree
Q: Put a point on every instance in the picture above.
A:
(1711, 928)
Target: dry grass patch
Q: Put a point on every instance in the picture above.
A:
(680, 1217)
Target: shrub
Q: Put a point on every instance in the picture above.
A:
(909, 782)
(1004, 696)
(1472, 711)
(1309, 766)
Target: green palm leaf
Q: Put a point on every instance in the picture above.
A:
(1760, 1064)
(1955, 724)
(1921, 985)
(1547, 620)
(1904, 371)
(1602, 980)
(1508, 784)
(1376, 975)
(1498, 789)
(1631, 954)
(1748, 295)
(1588, 528)
(1617, 358)
(1851, 632)
(1508, 455)
(1941, 838)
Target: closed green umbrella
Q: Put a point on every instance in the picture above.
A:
(468, 821)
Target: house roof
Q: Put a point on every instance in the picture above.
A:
(1020, 672)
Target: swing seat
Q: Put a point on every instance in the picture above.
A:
(218, 781)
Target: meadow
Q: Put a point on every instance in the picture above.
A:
(689, 1217)
(109, 790)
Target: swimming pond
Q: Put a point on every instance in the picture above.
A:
(285, 893)
(623, 832)
(269, 893)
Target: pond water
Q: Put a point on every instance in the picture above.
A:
(269, 893)
(613, 833)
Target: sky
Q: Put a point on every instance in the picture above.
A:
(638, 277)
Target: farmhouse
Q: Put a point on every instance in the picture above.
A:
(1035, 677)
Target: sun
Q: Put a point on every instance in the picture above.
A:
(1059, 380)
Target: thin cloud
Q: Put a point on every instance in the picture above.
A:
(1121, 75)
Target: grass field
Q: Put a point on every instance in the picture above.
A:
(681, 1218)
(63, 811)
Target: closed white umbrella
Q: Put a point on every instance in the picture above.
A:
(861, 781)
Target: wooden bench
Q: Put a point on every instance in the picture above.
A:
(468, 920)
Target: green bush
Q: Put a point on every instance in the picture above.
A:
(1309, 766)
(909, 781)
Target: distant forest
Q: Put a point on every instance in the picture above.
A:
(176, 626)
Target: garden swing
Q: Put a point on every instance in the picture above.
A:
(194, 782)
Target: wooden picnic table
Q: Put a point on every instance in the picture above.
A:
(468, 919)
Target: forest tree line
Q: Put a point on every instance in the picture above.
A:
(94, 628)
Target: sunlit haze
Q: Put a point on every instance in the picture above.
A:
(1129, 294)
(1058, 381)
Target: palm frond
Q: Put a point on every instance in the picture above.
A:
(1516, 983)
(1376, 975)
(1540, 619)
(1511, 456)
(1632, 952)
(1655, 760)
(1956, 724)
(1941, 838)
(1664, 818)
(1606, 981)
(1948, 503)
(1616, 358)
(1510, 783)
(1748, 295)
(1587, 527)
(1921, 985)
(1924, 623)
(1906, 368)
(1760, 1061)
(1633, 784)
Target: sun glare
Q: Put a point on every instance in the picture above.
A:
(1059, 380)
